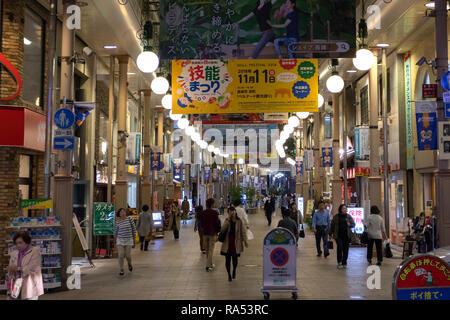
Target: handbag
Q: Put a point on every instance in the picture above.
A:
(364, 238)
(222, 236)
(330, 244)
(13, 286)
(250, 235)
(387, 250)
(302, 231)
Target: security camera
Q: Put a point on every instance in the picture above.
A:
(88, 51)
(421, 61)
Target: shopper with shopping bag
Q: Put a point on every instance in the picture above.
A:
(340, 230)
(376, 232)
(24, 278)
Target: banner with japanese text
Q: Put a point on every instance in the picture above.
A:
(244, 86)
(267, 29)
(327, 157)
(426, 121)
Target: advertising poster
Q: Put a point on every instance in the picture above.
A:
(279, 259)
(207, 174)
(299, 167)
(133, 147)
(232, 29)
(444, 140)
(362, 143)
(155, 161)
(408, 111)
(177, 171)
(244, 86)
(103, 218)
(327, 157)
(426, 120)
(358, 216)
(423, 277)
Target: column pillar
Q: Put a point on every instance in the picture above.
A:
(170, 150)
(305, 176)
(318, 184)
(374, 138)
(63, 189)
(147, 127)
(121, 200)
(336, 181)
(298, 177)
(160, 147)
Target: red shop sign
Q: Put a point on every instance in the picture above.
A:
(429, 91)
(15, 74)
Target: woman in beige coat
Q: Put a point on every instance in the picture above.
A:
(235, 238)
(25, 262)
(175, 220)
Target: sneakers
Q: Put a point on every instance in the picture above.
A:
(130, 267)
(208, 269)
(344, 266)
(204, 251)
(340, 266)
(121, 273)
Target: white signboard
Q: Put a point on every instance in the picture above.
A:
(133, 147)
(279, 260)
(358, 216)
(444, 140)
(300, 205)
(446, 96)
(362, 143)
(309, 159)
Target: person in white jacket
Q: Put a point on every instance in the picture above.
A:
(241, 213)
(376, 232)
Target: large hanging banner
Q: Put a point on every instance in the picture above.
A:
(426, 120)
(408, 111)
(244, 86)
(231, 29)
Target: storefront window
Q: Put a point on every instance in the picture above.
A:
(33, 60)
(328, 127)
(25, 180)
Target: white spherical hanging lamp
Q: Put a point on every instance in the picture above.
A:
(335, 83)
(302, 115)
(364, 59)
(160, 85)
(147, 61)
(203, 144)
(195, 137)
(288, 128)
(284, 136)
(320, 100)
(167, 102)
(294, 121)
(190, 130)
(175, 117)
(211, 148)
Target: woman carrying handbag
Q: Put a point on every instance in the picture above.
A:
(24, 279)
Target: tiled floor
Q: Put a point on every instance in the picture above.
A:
(176, 270)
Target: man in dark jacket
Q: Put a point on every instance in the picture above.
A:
(210, 222)
(288, 223)
(268, 211)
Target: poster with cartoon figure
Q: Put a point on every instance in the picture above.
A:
(426, 121)
(244, 86)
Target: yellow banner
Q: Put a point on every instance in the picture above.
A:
(244, 86)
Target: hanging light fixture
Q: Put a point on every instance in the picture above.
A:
(302, 115)
(147, 61)
(203, 144)
(294, 121)
(335, 83)
(190, 130)
(364, 58)
(160, 85)
(284, 136)
(211, 148)
(320, 100)
(167, 102)
(288, 128)
(196, 137)
(176, 117)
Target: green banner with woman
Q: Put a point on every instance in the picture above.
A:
(257, 29)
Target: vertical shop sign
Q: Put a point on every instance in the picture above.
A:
(103, 218)
(177, 169)
(327, 157)
(408, 110)
(444, 140)
(207, 174)
(426, 121)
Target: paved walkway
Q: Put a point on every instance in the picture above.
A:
(176, 270)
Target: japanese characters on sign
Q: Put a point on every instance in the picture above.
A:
(426, 120)
(423, 277)
(243, 86)
(327, 157)
(408, 111)
(220, 30)
(155, 161)
(358, 216)
(103, 218)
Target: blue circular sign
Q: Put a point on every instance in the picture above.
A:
(301, 89)
(225, 172)
(64, 118)
(445, 81)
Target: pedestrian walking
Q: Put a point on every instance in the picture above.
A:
(144, 227)
(294, 214)
(210, 222)
(175, 220)
(272, 204)
(25, 263)
(198, 227)
(321, 224)
(340, 230)
(268, 211)
(376, 232)
(234, 240)
(288, 223)
(124, 235)
(241, 212)
(185, 207)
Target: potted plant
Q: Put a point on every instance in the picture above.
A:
(250, 192)
(235, 193)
